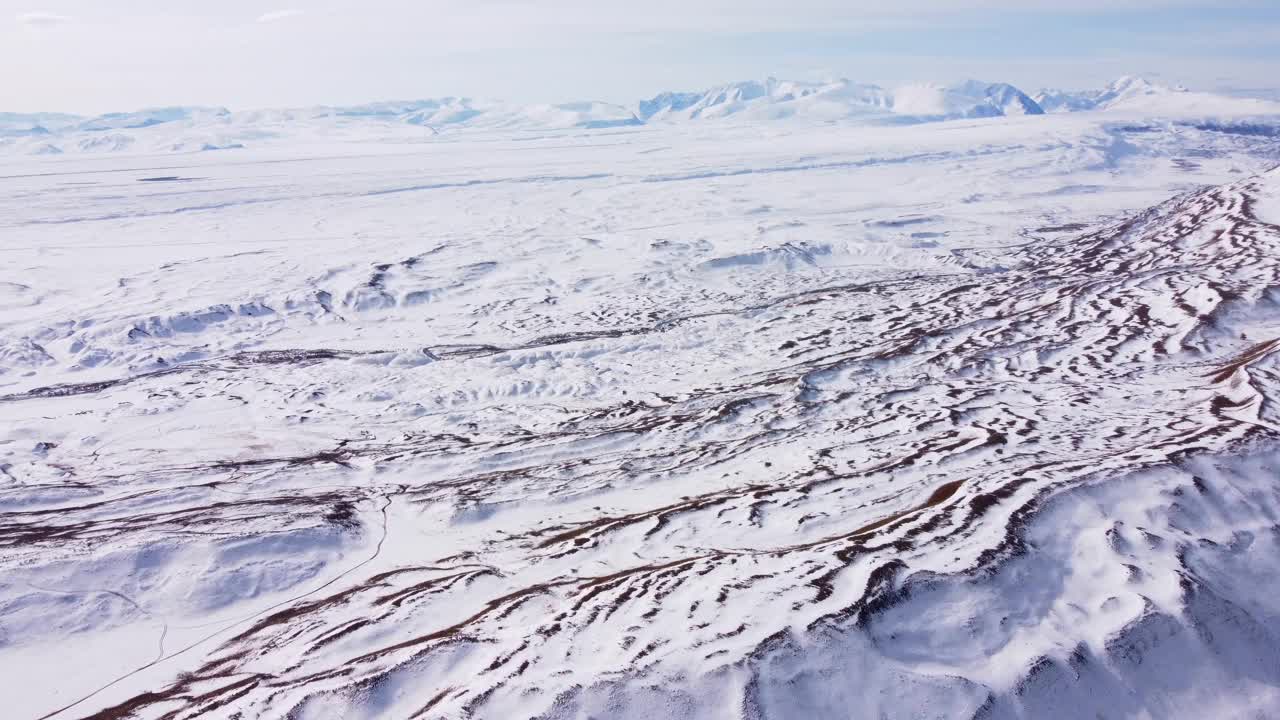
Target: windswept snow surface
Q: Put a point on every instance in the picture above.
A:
(974, 419)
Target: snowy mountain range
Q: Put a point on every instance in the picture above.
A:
(184, 129)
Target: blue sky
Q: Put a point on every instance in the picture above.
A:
(93, 55)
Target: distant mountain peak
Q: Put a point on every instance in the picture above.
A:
(1136, 93)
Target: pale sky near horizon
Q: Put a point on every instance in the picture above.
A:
(90, 56)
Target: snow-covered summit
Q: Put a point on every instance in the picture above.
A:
(1127, 89)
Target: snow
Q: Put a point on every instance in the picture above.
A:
(598, 411)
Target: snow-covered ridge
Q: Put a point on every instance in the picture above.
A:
(181, 129)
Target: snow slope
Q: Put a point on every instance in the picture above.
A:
(693, 420)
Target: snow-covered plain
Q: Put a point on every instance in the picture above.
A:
(767, 417)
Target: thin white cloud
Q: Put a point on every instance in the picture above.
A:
(276, 15)
(42, 20)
